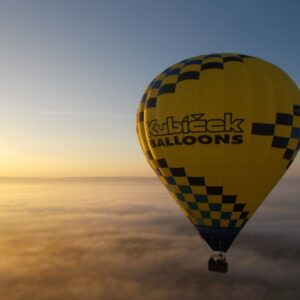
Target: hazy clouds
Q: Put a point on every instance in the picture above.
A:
(113, 240)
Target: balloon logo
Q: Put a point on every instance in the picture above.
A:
(220, 130)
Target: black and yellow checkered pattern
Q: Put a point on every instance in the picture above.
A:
(186, 70)
(284, 133)
(205, 205)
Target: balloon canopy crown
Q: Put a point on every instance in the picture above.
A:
(218, 263)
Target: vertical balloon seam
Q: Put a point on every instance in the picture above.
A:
(250, 115)
(225, 110)
(163, 150)
(180, 163)
(250, 137)
(249, 83)
(294, 102)
(199, 219)
(274, 109)
(142, 128)
(271, 107)
(159, 113)
(202, 162)
(288, 99)
(200, 154)
(203, 148)
(147, 112)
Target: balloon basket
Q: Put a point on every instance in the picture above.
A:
(218, 263)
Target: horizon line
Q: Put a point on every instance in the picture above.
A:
(91, 178)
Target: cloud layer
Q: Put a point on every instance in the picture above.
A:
(114, 240)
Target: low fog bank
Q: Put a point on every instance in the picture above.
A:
(128, 240)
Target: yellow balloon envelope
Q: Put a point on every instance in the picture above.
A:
(220, 130)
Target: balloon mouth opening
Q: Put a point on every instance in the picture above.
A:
(218, 239)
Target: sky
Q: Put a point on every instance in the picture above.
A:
(73, 72)
(77, 240)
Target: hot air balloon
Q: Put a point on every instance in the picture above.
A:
(219, 131)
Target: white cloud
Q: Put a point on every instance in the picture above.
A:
(116, 241)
